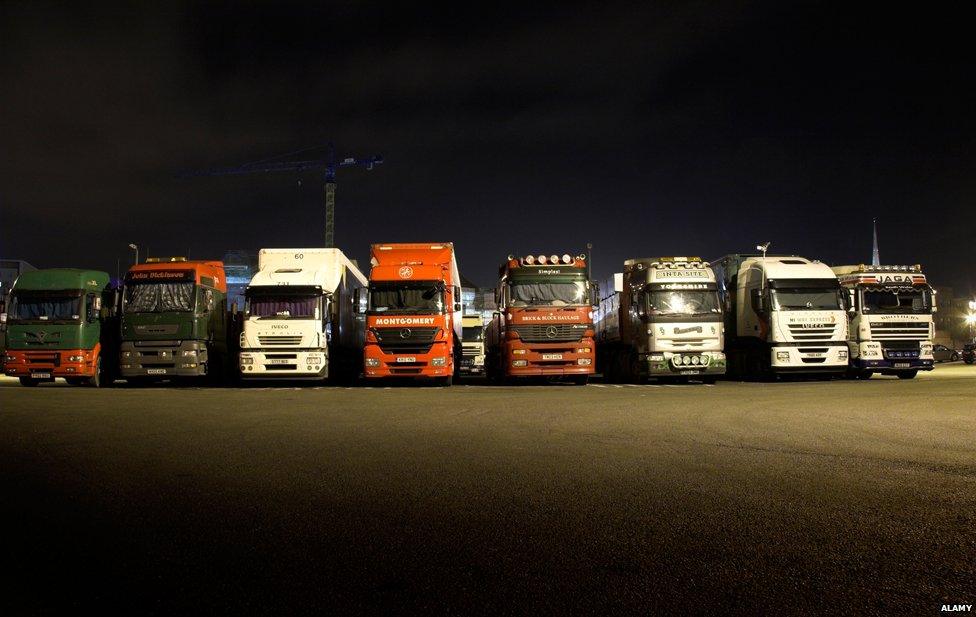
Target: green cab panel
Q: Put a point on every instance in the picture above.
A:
(52, 309)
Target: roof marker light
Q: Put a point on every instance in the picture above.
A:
(542, 259)
(567, 259)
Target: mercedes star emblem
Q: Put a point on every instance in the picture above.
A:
(405, 333)
(551, 332)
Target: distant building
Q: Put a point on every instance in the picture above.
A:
(951, 328)
(239, 266)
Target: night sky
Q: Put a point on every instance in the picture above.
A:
(695, 129)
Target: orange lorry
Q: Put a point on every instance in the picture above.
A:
(544, 323)
(413, 313)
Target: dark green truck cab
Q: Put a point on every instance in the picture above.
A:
(62, 322)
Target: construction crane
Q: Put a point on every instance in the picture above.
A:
(330, 165)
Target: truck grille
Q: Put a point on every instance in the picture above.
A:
(405, 340)
(555, 333)
(279, 339)
(802, 333)
(893, 331)
(471, 352)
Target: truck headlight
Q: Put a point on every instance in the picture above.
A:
(584, 361)
(438, 362)
(925, 349)
(479, 360)
(519, 352)
(584, 350)
(518, 363)
(783, 356)
(189, 353)
(657, 357)
(126, 354)
(247, 360)
(11, 358)
(842, 354)
(372, 362)
(75, 358)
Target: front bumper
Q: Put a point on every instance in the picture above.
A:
(810, 358)
(893, 365)
(284, 364)
(378, 365)
(671, 363)
(50, 364)
(162, 359)
(549, 359)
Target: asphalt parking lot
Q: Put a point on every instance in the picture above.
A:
(788, 498)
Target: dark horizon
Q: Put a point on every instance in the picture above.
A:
(688, 130)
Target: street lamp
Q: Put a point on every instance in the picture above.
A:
(136, 249)
(971, 319)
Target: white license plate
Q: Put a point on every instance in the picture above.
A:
(552, 356)
(407, 359)
(41, 375)
(279, 361)
(688, 372)
(815, 355)
(155, 371)
(902, 364)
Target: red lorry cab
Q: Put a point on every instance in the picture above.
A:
(413, 318)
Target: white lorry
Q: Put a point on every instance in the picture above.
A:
(299, 318)
(892, 325)
(784, 314)
(660, 318)
(472, 345)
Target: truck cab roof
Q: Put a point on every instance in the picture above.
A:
(53, 279)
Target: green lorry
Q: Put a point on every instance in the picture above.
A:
(62, 322)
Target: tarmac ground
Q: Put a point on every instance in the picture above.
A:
(851, 497)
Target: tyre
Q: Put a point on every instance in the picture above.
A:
(95, 380)
(969, 360)
(907, 375)
(444, 382)
(27, 381)
(76, 381)
(954, 357)
(708, 381)
(580, 380)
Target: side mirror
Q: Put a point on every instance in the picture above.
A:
(457, 307)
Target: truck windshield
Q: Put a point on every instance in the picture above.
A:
(804, 299)
(158, 297)
(669, 302)
(546, 293)
(44, 307)
(896, 301)
(425, 297)
(472, 334)
(283, 306)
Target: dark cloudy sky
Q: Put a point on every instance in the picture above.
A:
(659, 128)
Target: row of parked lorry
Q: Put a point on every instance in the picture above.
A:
(312, 314)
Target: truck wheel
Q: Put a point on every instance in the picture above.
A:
(76, 381)
(954, 357)
(580, 380)
(907, 375)
(708, 381)
(95, 380)
(27, 381)
(445, 381)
